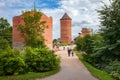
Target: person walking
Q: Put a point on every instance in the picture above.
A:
(63, 47)
(72, 53)
(68, 51)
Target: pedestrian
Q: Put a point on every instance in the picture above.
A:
(63, 47)
(68, 51)
(72, 53)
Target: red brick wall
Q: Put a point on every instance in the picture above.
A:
(48, 31)
(65, 30)
(17, 20)
(18, 40)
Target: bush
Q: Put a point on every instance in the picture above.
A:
(115, 75)
(63, 44)
(11, 62)
(3, 44)
(40, 59)
(114, 69)
(32, 60)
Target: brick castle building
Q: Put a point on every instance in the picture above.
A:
(18, 41)
(65, 31)
(85, 31)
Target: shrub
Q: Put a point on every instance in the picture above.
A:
(32, 60)
(63, 44)
(115, 75)
(3, 44)
(114, 69)
(40, 59)
(11, 62)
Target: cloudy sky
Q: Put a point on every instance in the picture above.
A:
(82, 12)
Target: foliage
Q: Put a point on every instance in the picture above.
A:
(89, 44)
(105, 49)
(80, 43)
(30, 75)
(3, 44)
(5, 32)
(63, 44)
(33, 28)
(54, 42)
(114, 69)
(11, 62)
(110, 22)
(115, 75)
(40, 60)
(110, 51)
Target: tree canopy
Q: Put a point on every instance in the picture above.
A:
(110, 23)
(5, 33)
(33, 28)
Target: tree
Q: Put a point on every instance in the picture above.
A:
(5, 33)
(109, 53)
(33, 28)
(110, 22)
(80, 43)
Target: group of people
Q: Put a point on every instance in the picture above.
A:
(70, 51)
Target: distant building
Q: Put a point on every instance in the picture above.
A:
(18, 41)
(84, 32)
(65, 31)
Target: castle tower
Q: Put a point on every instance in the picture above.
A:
(65, 24)
(18, 41)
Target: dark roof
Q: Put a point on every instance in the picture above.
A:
(65, 17)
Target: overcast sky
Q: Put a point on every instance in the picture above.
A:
(82, 12)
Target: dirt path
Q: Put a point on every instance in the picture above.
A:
(71, 69)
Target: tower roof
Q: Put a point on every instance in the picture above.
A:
(65, 17)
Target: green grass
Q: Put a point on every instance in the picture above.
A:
(63, 44)
(30, 75)
(101, 75)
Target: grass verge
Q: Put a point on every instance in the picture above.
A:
(101, 75)
(30, 75)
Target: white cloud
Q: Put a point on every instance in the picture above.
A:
(81, 11)
(2, 4)
(56, 15)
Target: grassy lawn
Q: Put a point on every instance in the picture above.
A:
(30, 75)
(101, 75)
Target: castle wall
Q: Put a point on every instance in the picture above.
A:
(18, 41)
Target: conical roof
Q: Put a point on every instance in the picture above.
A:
(65, 17)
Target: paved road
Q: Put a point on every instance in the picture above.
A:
(71, 69)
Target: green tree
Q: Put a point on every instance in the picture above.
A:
(80, 43)
(33, 28)
(109, 52)
(5, 33)
(85, 44)
(110, 22)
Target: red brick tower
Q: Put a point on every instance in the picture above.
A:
(65, 23)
